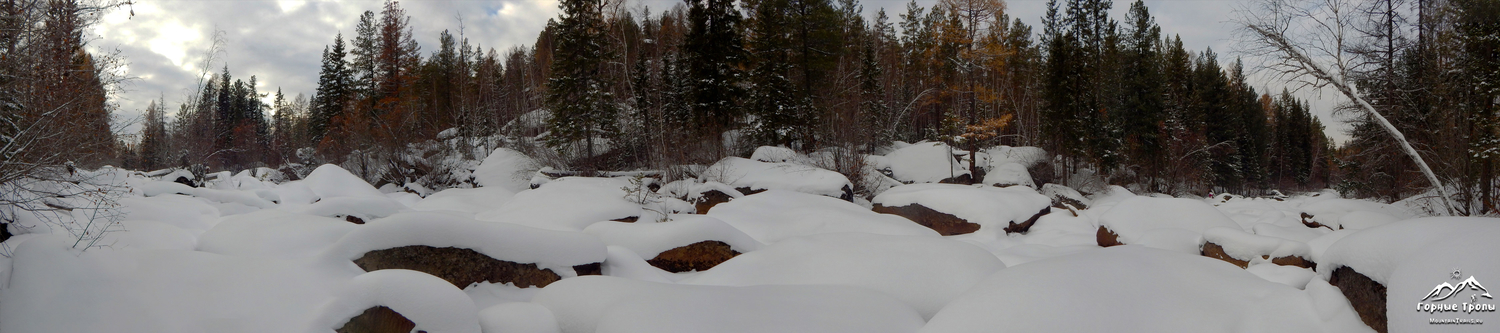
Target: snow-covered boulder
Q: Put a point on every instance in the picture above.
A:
(399, 300)
(1064, 197)
(775, 215)
(1240, 248)
(925, 162)
(953, 209)
(704, 195)
(752, 176)
(1002, 155)
(273, 233)
(1382, 270)
(1166, 223)
(1332, 212)
(1009, 174)
(464, 251)
(618, 305)
(568, 203)
(356, 210)
(506, 168)
(1138, 289)
(687, 243)
(331, 181)
(924, 272)
(771, 154)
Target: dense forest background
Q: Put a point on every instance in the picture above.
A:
(605, 88)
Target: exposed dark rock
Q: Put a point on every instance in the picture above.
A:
(1023, 227)
(4, 231)
(698, 256)
(1107, 238)
(945, 224)
(960, 179)
(748, 191)
(707, 200)
(354, 219)
(589, 269)
(1293, 261)
(1216, 251)
(378, 319)
(1366, 295)
(1307, 221)
(459, 266)
(628, 219)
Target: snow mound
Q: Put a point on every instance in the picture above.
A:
(755, 175)
(433, 304)
(273, 233)
(568, 203)
(1381, 251)
(517, 317)
(622, 262)
(1296, 277)
(650, 239)
(466, 200)
(774, 215)
(331, 181)
(1025, 156)
(549, 249)
(1244, 246)
(364, 208)
(1009, 174)
(506, 168)
(925, 162)
(191, 214)
(924, 272)
(771, 154)
(1165, 223)
(616, 305)
(992, 208)
(1145, 290)
(149, 235)
(58, 289)
(1331, 212)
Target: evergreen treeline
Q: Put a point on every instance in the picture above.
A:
(607, 88)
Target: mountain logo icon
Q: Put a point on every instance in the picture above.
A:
(1446, 290)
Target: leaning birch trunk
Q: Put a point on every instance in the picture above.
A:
(1304, 65)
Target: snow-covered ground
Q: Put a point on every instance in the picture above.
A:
(250, 253)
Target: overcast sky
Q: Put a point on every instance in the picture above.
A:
(280, 41)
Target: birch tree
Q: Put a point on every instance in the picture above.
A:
(1307, 43)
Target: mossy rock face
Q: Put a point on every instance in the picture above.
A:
(699, 256)
(945, 224)
(1023, 227)
(1366, 295)
(378, 319)
(1107, 238)
(460, 266)
(708, 200)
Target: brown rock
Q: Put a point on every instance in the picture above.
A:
(627, 219)
(1215, 251)
(945, 224)
(1023, 227)
(461, 267)
(1366, 295)
(748, 190)
(378, 319)
(589, 269)
(698, 256)
(1107, 238)
(354, 219)
(1307, 221)
(710, 199)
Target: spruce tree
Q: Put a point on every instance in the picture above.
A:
(714, 51)
(332, 93)
(1142, 110)
(581, 107)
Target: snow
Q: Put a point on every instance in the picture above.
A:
(139, 234)
(274, 233)
(365, 208)
(622, 262)
(330, 181)
(1467, 246)
(1245, 246)
(1009, 174)
(568, 203)
(549, 249)
(191, 214)
(506, 168)
(1025, 156)
(1330, 212)
(771, 154)
(430, 302)
(775, 215)
(925, 162)
(740, 172)
(1297, 277)
(1144, 290)
(924, 272)
(470, 201)
(1165, 223)
(1381, 251)
(990, 207)
(650, 239)
(517, 318)
(616, 305)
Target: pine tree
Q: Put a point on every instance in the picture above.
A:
(333, 90)
(582, 109)
(153, 149)
(1143, 110)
